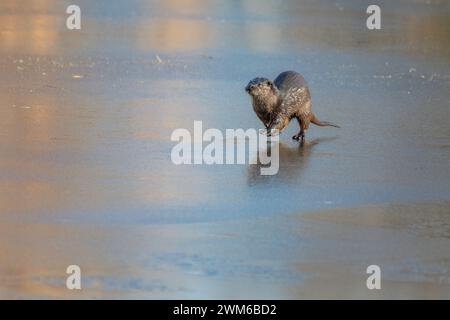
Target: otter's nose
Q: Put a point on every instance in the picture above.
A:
(249, 88)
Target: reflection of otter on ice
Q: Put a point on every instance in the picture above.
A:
(292, 161)
(264, 154)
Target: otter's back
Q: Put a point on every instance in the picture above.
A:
(290, 79)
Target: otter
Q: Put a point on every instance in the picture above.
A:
(277, 103)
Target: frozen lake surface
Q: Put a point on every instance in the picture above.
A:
(86, 176)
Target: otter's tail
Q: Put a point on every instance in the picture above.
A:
(317, 122)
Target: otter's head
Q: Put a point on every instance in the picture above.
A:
(261, 88)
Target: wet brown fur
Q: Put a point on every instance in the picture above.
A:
(287, 97)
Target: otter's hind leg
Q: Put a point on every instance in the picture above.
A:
(301, 134)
